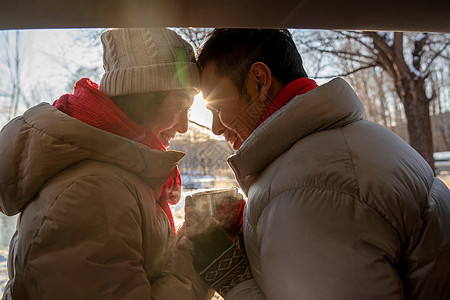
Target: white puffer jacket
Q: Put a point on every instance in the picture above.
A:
(340, 207)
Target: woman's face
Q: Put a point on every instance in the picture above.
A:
(171, 116)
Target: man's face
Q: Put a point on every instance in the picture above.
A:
(235, 114)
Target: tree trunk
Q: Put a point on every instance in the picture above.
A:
(419, 125)
(410, 88)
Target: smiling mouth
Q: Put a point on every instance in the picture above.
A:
(235, 141)
(165, 139)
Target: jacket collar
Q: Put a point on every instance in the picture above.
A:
(331, 105)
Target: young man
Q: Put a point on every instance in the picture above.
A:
(338, 207)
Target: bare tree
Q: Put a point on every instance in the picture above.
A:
(21, 85)
(86, 42)
(13, 61)
(408, 60)
(440, 111)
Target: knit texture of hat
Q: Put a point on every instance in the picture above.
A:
(140, 60)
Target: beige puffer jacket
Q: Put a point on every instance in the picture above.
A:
(90, 227)
(340, 207)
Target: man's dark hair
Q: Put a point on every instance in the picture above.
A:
(235, 50)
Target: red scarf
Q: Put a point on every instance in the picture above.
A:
(89, 105)
(297, 87)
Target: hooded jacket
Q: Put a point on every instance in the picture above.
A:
(89, 225)
(339, 207)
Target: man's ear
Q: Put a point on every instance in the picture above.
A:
(261, 77)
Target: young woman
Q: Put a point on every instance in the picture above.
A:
(92, 181)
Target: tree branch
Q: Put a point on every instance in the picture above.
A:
(357, 39)
(348, 73)
(438, 54)
(346, 55)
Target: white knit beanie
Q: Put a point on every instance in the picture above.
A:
(139, 60)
